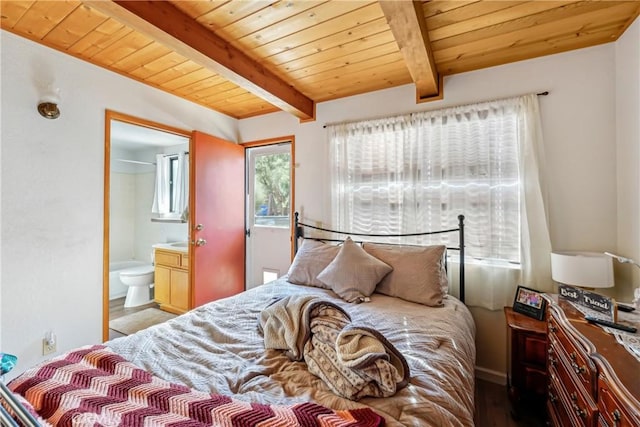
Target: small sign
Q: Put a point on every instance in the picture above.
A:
(570, 293)
(599, 303)
(590, 300)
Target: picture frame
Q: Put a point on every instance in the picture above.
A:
(529, 302)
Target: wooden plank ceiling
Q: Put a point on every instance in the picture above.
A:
(245, 58)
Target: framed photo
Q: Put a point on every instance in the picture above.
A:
(529, 302)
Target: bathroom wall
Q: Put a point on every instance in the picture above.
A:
(121, 212)
(132, 233)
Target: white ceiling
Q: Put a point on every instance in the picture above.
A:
(133, 137)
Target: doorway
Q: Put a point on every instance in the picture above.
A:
(270, 201)
(132, 145)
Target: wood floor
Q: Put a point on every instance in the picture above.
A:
(492, 408)
(116, 310)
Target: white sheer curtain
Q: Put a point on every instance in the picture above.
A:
(417, 172)
(181, 184)
(162, 194)
(171, 200)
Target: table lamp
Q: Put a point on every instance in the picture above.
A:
(584, 269)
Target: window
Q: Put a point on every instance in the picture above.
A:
(419, 172)
(171, 195)
(272, 183)
(173, 176)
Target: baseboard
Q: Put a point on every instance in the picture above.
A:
(491, 375)
(117, 295)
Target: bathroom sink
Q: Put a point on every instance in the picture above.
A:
(179, 244)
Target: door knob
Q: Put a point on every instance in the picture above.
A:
(201, 242)
(199, 227)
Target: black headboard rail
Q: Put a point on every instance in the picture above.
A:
(299, 233)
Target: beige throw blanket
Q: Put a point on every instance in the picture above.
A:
(353, 361)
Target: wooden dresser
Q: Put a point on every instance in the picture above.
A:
(593, 381)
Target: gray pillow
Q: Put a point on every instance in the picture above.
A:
(418, 272)
(312, 257)
(353, 274)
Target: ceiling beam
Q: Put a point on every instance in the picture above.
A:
(409, 28)
(168, 25)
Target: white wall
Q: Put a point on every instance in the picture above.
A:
(579, 125)
(628, 153)
(52, 195)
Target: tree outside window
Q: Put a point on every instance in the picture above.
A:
(272, 189)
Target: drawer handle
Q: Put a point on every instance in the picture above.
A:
(552, 361)
(616, 417)
(577, 369)
(553, 398)
(551, 327)
(579, 412)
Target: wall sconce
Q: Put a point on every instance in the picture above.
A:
(48, 106)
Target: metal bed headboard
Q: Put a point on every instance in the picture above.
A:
(299, 233)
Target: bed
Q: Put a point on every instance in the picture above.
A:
(219, 352)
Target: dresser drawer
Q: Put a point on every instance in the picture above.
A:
(611, 409)
(575, 356)
(558, 413)
(579, 402)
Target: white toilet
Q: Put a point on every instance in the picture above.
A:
(139, 280)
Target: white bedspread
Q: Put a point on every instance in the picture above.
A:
(217, 348)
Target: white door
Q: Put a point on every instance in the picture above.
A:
(268, 210)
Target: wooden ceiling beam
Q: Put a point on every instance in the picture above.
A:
(170, 26)
(407, 23)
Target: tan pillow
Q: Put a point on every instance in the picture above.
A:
(312, 257)
(418, 272)
(353, 274)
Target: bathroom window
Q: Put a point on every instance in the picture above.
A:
(171, 196)
(173, 174)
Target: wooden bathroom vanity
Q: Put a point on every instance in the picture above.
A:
(172, 290)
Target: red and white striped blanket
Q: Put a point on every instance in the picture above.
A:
(94, 386)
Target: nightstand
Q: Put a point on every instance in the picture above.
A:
(527, 357)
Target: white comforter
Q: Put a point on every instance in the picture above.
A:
(217, 348)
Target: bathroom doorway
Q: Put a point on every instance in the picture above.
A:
(140, 212)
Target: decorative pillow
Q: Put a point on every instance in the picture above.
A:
(353, 274)
(418, 272)
(312, 257)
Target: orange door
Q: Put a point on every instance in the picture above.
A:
(217, 218)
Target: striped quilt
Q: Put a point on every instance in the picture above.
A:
(95, 386)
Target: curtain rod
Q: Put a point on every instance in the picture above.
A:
(175, 154)
(140, 162)
(545, 93)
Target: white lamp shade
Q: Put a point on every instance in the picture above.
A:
(587, 269)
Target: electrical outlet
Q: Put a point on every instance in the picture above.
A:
(48, 348)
